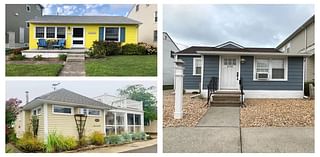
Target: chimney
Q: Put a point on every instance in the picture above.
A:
(27, 97)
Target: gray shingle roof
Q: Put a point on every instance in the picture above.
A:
(84, 20)
(66, 96)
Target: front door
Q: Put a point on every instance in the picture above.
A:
(229, 73)
(77, 37)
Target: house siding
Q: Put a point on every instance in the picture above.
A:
(295, 76)
(211, 69)
(190, 81)
(91, 33)
(65, 124)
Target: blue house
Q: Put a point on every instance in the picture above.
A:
(232, 68)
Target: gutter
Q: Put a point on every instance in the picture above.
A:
(249, 53)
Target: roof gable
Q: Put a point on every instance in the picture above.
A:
(230, 45)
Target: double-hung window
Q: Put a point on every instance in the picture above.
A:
(39, 32)
(112, 34)
(271, 69)
(51, 32)
(61, 32)
(90, 112)
(36, 111)
(197, 65)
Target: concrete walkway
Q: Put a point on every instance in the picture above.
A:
(73, 69)
(219, 132)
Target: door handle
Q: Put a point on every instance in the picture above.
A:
(237, 75)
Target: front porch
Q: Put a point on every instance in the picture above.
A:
(51, 53)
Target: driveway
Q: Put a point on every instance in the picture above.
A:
(219, 132)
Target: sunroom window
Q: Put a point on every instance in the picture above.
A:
(62, 109)
(90, 112)
(39, 32)
(197, 64)
(112, 34)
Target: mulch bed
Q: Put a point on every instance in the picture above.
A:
(193, 110)
(278, 113)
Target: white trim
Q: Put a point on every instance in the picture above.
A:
(72, 110)
(230, 43)
(45, 121)
(119, 32)
(77, 38)
(249, 53)
(274, 93)
(186, 54)
(27, 5)
(270, 58)
(238, 70)
(219, 79)
(45, 32)
(202, 72)
(36, 109)
(194, 66)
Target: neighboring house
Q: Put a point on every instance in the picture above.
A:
(265, 72)
(302, 41)
(148, 15)
(56, 110)
(17, 34)
(168, 62)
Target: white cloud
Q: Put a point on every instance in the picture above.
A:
(48, 9)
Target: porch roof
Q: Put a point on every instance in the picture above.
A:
(53, 19)
(66, 97)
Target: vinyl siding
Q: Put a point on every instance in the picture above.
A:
(91, 33)
(310, 69)
(189, 80)
(65, 124)
(295, 76)
(211, 69)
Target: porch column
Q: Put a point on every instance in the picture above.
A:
(104, 122)
(142, 123)
(115, 123)
(125, 122)
(178, 113)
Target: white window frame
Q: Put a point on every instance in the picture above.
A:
(37, 112)
(72, 110)
(87, 113)
(285, 64)
(45, 32)
(194, 66)
(105, 30)
(65, 32)
(55, 32)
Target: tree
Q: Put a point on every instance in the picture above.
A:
(12, 110)
(140, 93)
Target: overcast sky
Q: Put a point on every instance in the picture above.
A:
(16, 89)
(247, 25)
(87, 9)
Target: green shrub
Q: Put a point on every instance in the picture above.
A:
(38, 57)
(11, 136)
(28, 143)
(306, 88)
(58, 143)
(114, 139)
(133, 49)
(127, 137)
(98, 49)
(97, 138)
(17, 57)
(150, 50)
(62, 57)
(83, 141)
(113, 48)
(140, 136)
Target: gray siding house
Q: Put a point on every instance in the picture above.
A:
(17, 34)
(168, 62)
(264, 72)
(302, 41)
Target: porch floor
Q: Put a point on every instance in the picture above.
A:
(55, 51)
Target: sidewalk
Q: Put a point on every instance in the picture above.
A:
(123, 148)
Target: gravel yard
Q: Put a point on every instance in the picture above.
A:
(278, 113)
(193, 110)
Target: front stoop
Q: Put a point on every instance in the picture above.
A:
(226, 99)
(75, 57)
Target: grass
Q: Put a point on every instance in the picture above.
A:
(142, 65)
(33, 69)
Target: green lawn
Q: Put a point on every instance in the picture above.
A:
(33, 69)
(122, 66)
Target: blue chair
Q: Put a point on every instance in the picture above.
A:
(60, 44)
(42, 43)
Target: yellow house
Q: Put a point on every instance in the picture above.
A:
(81, 31)
(56, 111)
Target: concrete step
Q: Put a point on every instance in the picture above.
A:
(227, 92)
(75, 57)
(225, 105)
(226, 102)
(226, 98)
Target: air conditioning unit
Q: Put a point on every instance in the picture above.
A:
(262, 75)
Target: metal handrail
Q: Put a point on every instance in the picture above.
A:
(241, 90)
(212, 87)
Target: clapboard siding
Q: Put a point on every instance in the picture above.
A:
(211, 69)
(295, 76)
(189, 80)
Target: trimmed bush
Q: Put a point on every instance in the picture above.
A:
(114, 139)
(127, 137)
(59, 143)
(150, 50)
(18, 57)
(38, 57)
(133, 49)
(113, 48)
(140, 136)
(101, 49)
(97, 138)
(62, 57)
(28, 143)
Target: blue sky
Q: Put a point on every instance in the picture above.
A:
(87, 9)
